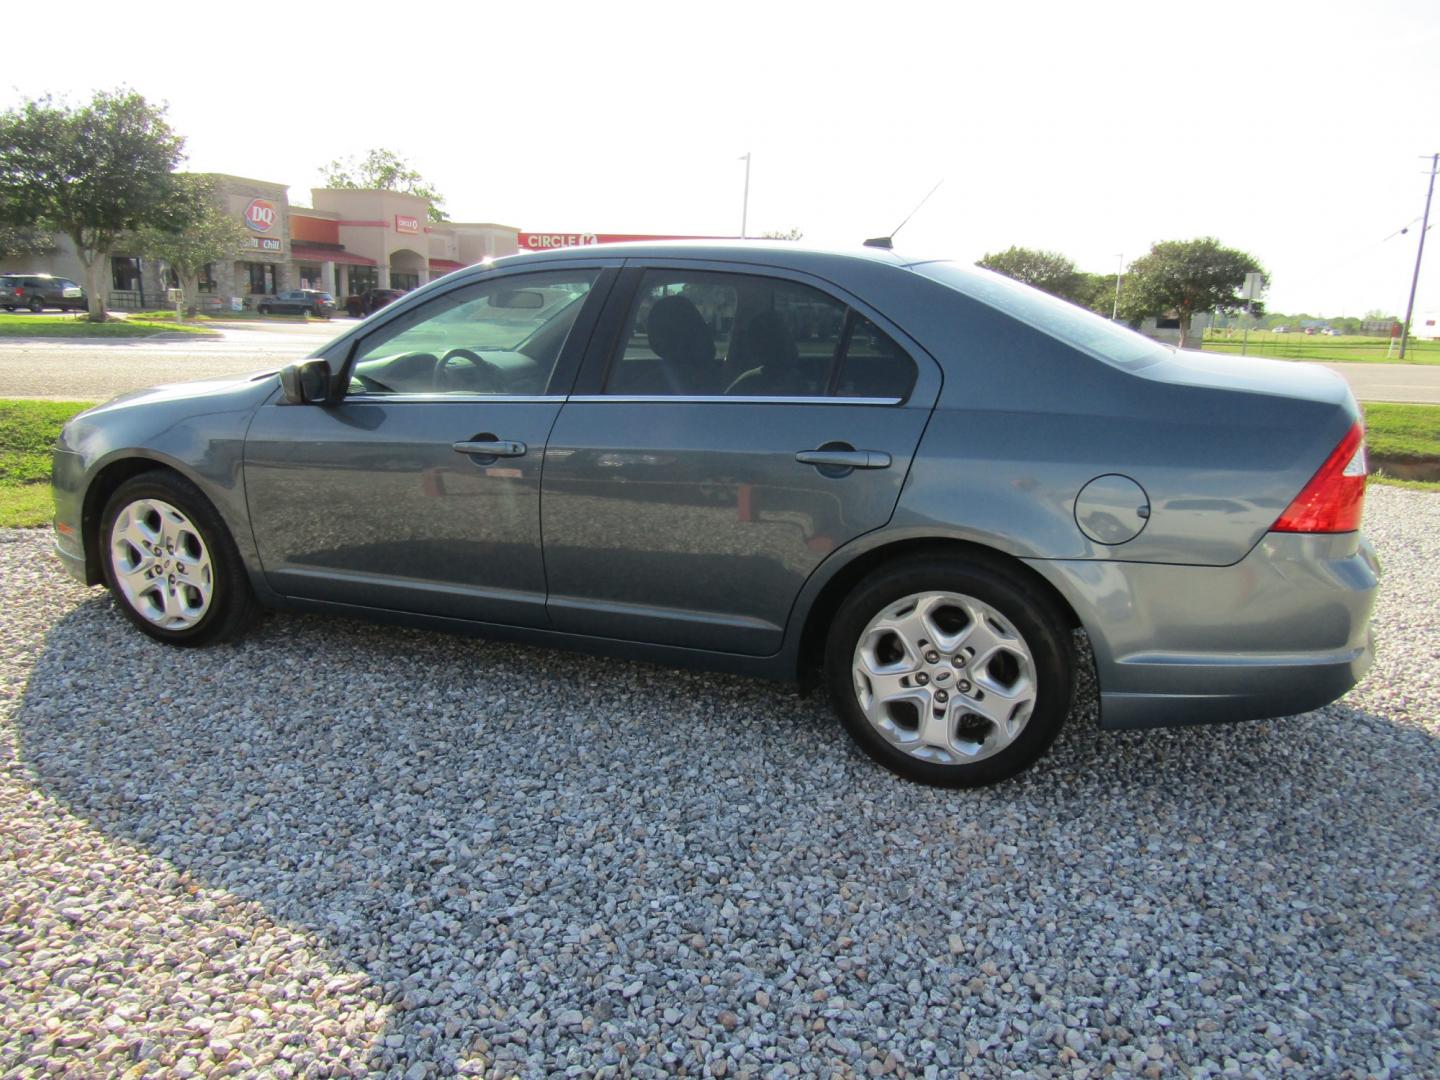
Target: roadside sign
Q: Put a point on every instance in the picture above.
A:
(1254, 286)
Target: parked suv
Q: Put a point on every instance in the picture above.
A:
(40, 291)
(298, 302)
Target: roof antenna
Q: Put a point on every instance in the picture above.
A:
(887, 242)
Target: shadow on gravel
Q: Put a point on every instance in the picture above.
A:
(544, 860)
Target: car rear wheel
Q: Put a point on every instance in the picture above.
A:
(37, 305)
(950, 672)
(171, 563)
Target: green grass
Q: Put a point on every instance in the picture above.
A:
(27, 431)
(67, 326)
(1349, 350)
(1411, 432)
(1408, 485)
(222, 316)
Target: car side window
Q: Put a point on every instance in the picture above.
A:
(497, 336)
(873, 366)
(697, 333)
(707, 334)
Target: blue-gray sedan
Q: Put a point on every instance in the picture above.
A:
(909, 480)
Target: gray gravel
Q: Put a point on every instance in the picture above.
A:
(337, 849)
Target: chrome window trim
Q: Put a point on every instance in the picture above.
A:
(733, 399)
(629, 399)
(382, 399)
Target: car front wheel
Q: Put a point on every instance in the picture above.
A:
(37, 306)
(171, 563)
(950, 672)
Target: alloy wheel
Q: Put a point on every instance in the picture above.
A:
(944, 677)
(161, 564)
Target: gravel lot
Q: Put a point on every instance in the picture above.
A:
(336, 849)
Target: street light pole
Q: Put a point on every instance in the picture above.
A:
(1419, 253)
(745, 205)
(1119, 270)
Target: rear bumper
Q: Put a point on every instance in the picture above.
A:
(1283, 631)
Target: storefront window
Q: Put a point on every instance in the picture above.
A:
(260, 277)
(362, 278)
(404, 281)
(207, 278)
(310, 276)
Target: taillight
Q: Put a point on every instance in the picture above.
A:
(19, 290)
(1333, 499)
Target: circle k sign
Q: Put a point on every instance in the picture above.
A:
(261, 215)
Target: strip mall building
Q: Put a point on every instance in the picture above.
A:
(347, 242)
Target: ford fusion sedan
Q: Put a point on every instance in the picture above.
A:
(908, 480)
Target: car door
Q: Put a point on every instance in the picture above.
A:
(420, 489)
(729, 431)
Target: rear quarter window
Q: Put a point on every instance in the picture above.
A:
(1066, 322)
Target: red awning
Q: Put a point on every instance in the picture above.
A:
(447, 264)
(306, 253)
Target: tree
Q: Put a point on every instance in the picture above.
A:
(792, 233)
(384, 170)
(210, 236)
(18, 240)
(1048, 271)
(1095, 291)
(93, 173)
(1182, 277)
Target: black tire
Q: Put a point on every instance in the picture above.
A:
(9, 307)
(36, 305)
(264, 309)
(1043, 630)
(232, 605)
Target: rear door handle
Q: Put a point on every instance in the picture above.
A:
(845, 459)
(490, 448)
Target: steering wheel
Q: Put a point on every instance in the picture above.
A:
(489, 377)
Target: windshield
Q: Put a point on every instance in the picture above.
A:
(1062, 320)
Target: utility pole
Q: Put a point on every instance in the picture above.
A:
(1419, 254)
(745, 205)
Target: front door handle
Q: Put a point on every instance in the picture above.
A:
(845, 459)
(490, 448)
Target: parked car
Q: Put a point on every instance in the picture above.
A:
(630, 449)
(370, 301)
(40, 291)
(298, 302)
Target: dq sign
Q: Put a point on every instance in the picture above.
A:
(261, 215)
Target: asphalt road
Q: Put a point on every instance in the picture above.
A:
(1418, 383)
(98, 369)
(94, 370)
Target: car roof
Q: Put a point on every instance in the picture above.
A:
(777, 252)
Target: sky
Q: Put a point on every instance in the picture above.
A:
(1297, 132)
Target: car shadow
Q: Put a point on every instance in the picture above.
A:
(467, 828)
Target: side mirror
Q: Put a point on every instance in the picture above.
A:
(307, 383)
